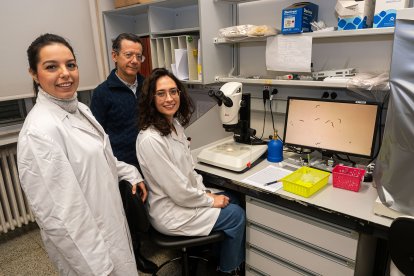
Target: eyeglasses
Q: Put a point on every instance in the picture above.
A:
(162, 94)
(129, 56)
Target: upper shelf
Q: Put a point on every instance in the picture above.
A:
(143, 8)
(328, 34)
(297, 83)
(360, 32)
(237, 1)
(176, 32)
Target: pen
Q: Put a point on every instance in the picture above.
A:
(271, 182)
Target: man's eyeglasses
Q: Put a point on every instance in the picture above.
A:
(129, 56)
(162, 94)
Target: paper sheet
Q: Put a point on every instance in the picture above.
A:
(174, 70)
(268, 174)
(181, 64)
(289, 53)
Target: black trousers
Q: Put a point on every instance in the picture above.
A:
(135, 212)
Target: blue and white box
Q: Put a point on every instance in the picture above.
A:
(386, 12)
(297, 17)
(356, 14)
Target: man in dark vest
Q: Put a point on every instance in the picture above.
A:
(114, 105)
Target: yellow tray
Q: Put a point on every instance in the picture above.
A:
(305, 181)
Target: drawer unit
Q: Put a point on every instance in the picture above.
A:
(298, 254)
(280, 239)
(320, 234)
(267, 265)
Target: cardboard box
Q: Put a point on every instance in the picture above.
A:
(386, 12)
(124, 3)
(355, 14)
(297, 17)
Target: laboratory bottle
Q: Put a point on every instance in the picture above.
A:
(275, 149)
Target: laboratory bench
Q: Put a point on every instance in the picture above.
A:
(332, 232)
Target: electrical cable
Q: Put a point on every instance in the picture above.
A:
(296, 150)
(265, 97)
(264, 118)
(271, 114)
(385, 101)
(348, 159)
(273, 121)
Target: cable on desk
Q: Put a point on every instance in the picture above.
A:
(385, 101)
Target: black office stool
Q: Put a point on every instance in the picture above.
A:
(138, 222)
(183, 242)
(401, 241)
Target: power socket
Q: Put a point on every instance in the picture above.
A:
(274, 92)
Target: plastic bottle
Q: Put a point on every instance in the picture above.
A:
(275, 149)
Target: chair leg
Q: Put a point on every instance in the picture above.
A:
(166, 263)
(185, 264)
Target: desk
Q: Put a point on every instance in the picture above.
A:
(330, 208)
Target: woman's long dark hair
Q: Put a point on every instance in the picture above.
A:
(148, 113)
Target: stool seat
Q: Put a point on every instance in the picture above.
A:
(138, 222)
(183, 242)
(401, 242)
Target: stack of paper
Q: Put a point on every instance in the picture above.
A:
(382, 210)
(268, 175)
(178, 54)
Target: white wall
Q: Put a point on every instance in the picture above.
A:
(24, 20)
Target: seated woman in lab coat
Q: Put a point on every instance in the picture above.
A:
(69, 173)
(178, 201)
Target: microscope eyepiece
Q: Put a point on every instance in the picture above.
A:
(212, 94)
(226, 100)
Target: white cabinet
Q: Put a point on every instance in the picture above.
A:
(166, 23)
(367, 50)
(324, 44)
(281, 241)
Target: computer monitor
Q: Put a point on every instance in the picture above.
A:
(332, 126)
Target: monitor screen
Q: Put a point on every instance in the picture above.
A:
(330, 125)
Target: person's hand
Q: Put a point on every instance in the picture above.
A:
(143, 190)
(220, 201)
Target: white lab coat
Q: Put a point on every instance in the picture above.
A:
(177, 202)
(70, 177)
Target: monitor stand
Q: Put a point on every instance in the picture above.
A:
(325, 162)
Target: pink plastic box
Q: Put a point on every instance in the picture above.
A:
(347, 178)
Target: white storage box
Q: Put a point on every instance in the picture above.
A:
(354, 14)
(386, 12)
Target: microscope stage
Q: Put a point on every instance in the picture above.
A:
(231, 155)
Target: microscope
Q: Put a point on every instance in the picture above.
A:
(241, 151)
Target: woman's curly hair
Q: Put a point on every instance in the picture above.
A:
(148, 113)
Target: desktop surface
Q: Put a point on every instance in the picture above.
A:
(359, 205)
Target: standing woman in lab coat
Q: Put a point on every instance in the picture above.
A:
(178, 201)
(69, 173)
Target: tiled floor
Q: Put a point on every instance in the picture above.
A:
(22, 254)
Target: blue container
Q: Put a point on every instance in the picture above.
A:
(297, 17)
(275, 151)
